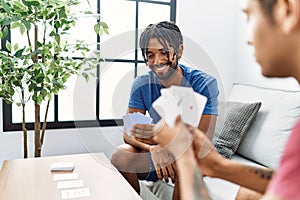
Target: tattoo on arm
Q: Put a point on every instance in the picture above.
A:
(262, 173)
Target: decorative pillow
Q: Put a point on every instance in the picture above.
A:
(231, 127)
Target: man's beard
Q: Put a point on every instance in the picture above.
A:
(165, 76)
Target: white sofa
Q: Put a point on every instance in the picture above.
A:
(263, 144)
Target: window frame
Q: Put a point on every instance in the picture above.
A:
(8, 125)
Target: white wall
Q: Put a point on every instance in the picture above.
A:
(246, 70)
(211, 24)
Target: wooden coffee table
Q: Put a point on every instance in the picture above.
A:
(29, 179)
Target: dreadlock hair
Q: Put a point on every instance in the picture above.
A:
(267, 6)
(167, 33)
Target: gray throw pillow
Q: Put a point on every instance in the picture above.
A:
(235, 123)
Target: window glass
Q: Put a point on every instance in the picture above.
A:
(78, 100)
(120, 16)
(29, 112)
(115, 85)
(84, 28)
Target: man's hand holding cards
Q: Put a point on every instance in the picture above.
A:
(183, 101)
(135, 118)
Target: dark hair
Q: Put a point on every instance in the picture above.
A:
(268, 5)
(164, 31)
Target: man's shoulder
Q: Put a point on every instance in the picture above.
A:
(142, 79)
(194, 74)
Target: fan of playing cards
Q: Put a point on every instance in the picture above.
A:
(178, 100)
(173, 101)
(135, 118)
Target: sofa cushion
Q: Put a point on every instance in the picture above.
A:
(231, 128)
(266, 138)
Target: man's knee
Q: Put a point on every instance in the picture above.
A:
(128, 159)
(121, 156)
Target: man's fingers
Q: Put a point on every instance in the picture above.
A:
(171, 172)
(165, 174)
(174, 166)
(159, 175)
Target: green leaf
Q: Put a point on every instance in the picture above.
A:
(16, 46)
(57, 38)
(5, 32)
(85, 76)
(15, 25)
(6, 21)
(31, 3)
(27, 25)
(8, 45)
(106, 31)
(22, 29)
(5, 6)
(19, 53)
(88, 12)
(104, 25)
(40, 78)
(15, 18)
(19, 5)
(52, 34)
(37, 89)
(62, 13)
(97, 29)
(57, 24)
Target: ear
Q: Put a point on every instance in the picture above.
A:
(180, 50)
(287, 15)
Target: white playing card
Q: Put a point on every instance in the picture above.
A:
(181, 92)
(75, 193)
(167, 107)
(62, 166)
(178, 100)
(192, 107)
(69, 184)
(69, 176)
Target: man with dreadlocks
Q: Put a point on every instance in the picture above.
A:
(162, 47)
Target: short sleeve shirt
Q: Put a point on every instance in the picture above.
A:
(146, 89)
(286, 181)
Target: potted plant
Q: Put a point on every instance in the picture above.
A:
(40, 69)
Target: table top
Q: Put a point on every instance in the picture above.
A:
(32, 179)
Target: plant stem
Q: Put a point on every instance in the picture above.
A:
(24, 127)
(37, 130)
(45, 123)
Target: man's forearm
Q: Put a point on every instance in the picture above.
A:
(215, 165)
(137, 144)
(255, 178)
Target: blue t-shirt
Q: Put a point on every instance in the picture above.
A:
(146, 89)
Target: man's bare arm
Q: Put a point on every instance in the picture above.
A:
(207, 125)
(212, 164)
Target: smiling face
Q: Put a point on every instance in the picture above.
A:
(163, 62)
(271, 45)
